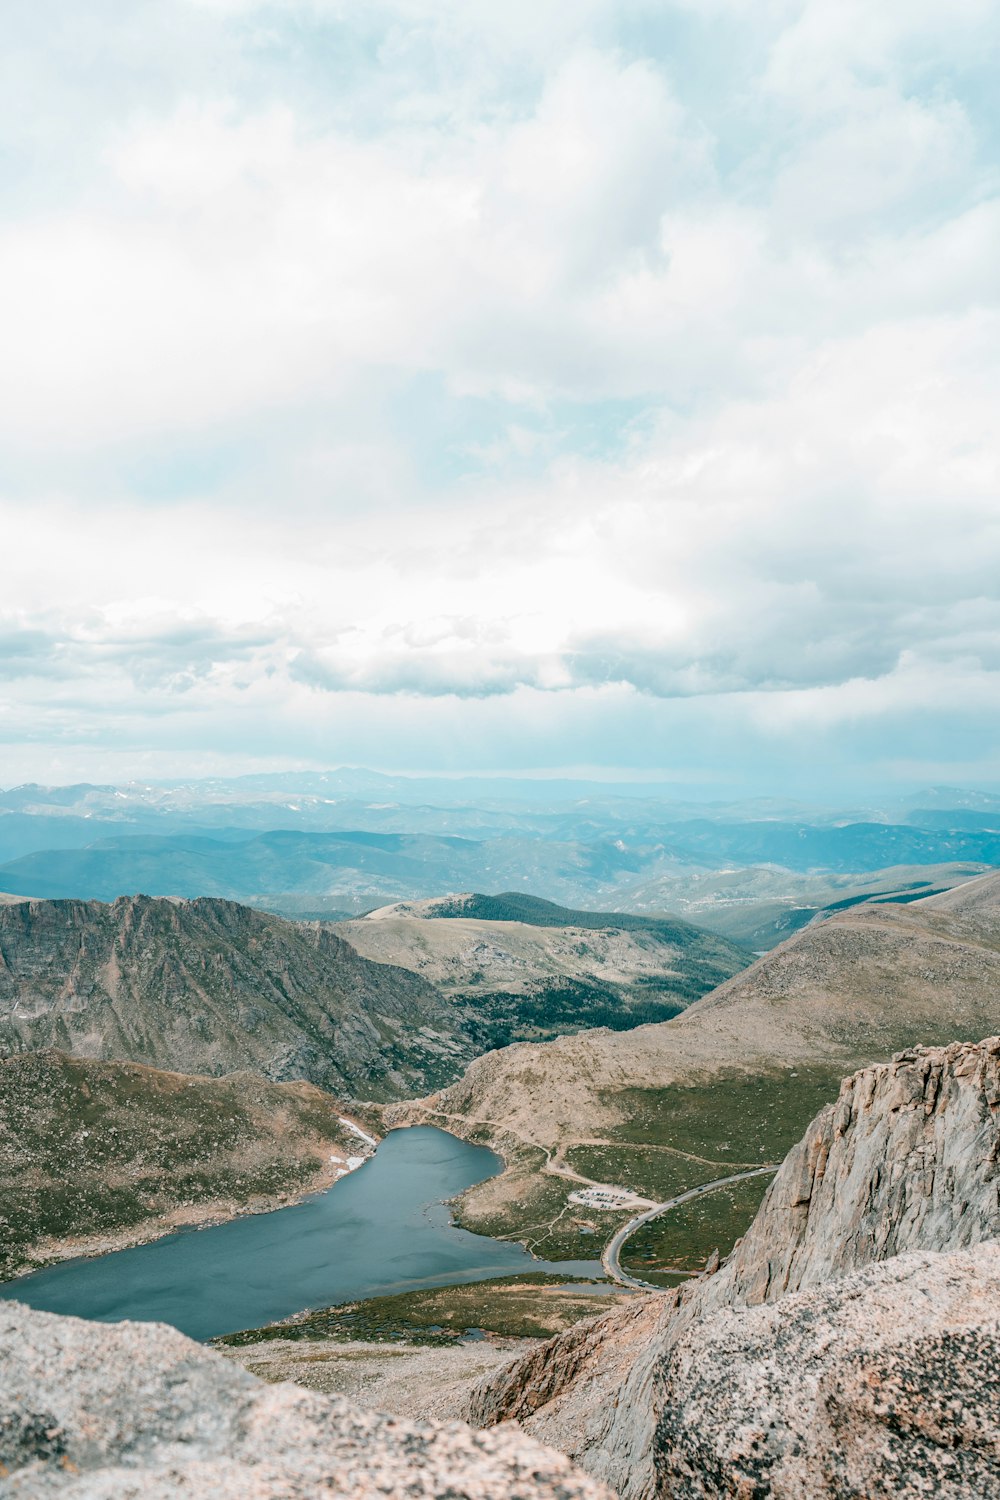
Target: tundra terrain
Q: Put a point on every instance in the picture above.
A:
(729, 1083)
(97, 1155)
(523, 968)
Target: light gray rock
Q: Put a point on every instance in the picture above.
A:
(908, 1158)
(94, 1411)
(886, 1383)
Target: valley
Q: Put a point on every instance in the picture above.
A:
(729, 1083)
(174, 1062)
(222, 990)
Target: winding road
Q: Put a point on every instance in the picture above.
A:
(612, 1251)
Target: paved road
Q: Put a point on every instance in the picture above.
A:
(612, 1251)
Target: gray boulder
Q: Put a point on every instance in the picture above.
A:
(96, 1411)
(885, 1383)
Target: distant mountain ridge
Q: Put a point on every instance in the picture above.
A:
(576, 862)
(208, 986)
(517, 906)
(526, 969)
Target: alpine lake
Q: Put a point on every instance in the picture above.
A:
(385, 1228)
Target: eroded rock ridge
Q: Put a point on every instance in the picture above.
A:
(115, 1413)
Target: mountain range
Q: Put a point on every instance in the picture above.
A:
(207, 986)
(323, 844)
(734, 1078)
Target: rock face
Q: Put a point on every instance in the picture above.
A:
(885, 1383)
(137, 1410)
(907, 1160)
(207, 986)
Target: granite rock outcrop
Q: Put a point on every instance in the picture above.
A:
(885, 1383)
(137, 1410)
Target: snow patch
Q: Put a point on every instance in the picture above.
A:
(356, 1129)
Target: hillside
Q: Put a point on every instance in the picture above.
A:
(207, 986)
(517, 906)
(523, 968)
(764, 905)
(100, 1154)
(733, 1080)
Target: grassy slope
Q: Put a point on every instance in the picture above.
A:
(102, 1151)
(513, 1306)
(734, 1079)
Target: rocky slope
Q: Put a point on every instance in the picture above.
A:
(95, 1155)
(737, 1076)
(530, 969)
(207, 986)
(906, 1162)
(91, 1411)
(884, 1384)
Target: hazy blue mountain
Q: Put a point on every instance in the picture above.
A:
(350, 870)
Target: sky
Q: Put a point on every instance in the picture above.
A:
(533, 387)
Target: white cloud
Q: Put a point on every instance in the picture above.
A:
(791, 288)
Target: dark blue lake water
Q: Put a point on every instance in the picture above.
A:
(386, 1228)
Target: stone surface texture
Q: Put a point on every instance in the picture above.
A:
(118, 1412)
(883, 1384)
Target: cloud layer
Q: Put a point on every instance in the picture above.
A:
(491, 385)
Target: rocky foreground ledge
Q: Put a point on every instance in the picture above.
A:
(118, 1412)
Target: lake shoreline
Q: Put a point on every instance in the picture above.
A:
(390, 1229)
(46, 1253)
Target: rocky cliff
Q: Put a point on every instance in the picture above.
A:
(906, 1161)
(88, 1410)
(207, 986)
(883, 1384)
